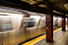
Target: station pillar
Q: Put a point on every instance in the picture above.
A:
(63, 23)
(67, 22)
(49, 25)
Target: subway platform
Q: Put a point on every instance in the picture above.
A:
(33, 22)
(60, 38)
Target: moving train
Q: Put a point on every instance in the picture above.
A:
(17, 27)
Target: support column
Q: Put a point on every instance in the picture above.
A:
(49, 25)
(63, 23)
(67, 22)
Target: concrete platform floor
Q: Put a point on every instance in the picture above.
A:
(60, 38)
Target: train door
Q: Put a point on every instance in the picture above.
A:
(54, 19)
(66, 23)
(55, 22)
(37, 19)
(59, 21)
(42, 24)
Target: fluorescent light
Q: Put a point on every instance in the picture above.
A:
(57, 12)
(66, 6)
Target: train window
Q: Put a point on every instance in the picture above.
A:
(31, 22)
(28, 22)
(36, 19)
(5, 23)
(10, 21)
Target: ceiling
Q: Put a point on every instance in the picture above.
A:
(59, 5)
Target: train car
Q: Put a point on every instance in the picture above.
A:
(16, 27)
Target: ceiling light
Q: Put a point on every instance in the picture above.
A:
(66, 6)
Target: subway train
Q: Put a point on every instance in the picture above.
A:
(17, 27)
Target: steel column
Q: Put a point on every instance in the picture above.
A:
(49, 25)
(63, 23)
(67, 22)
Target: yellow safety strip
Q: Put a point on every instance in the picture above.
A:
(34, 41)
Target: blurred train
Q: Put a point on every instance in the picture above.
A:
(16, 27)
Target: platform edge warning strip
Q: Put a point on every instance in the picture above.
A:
(32, 42)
